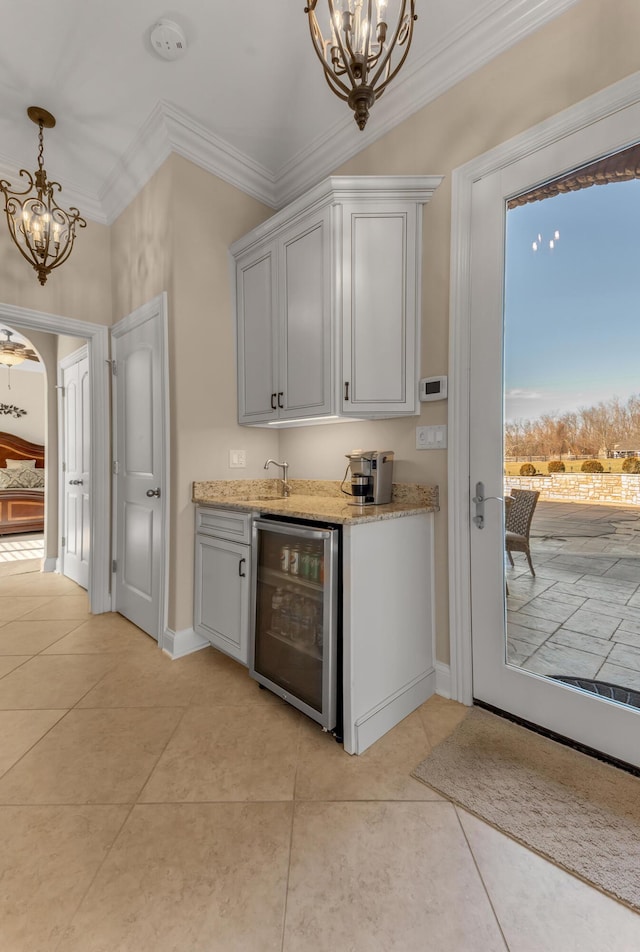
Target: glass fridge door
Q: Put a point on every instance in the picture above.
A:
(295, 615)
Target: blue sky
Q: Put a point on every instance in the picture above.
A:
(572, 315)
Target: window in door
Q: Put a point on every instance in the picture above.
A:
(572, 428)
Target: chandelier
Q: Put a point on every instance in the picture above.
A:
(356, 47)
(43, 232)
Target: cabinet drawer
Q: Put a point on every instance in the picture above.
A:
(224, 523)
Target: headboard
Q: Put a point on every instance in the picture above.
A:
(12, 447)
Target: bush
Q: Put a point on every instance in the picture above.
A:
(527, 469)
(631, 465)
(592, 466)
(555, 466)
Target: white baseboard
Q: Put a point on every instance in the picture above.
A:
(177, 644)
(443, 679)
(50, 565)
(375, 723)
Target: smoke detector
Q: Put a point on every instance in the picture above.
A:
(168, 40)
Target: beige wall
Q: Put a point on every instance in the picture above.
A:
(27, 393)
(81, 288)
(209, 215)
(175, 236)
(69, 345)
(142, 246)
(589, 47)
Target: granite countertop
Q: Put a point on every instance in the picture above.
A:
(312, 499)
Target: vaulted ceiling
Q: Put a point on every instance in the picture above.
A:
(247, 101)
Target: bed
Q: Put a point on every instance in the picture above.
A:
(21, 486)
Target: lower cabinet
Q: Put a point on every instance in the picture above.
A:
(222, 594)
(388, 625)
(387, 655)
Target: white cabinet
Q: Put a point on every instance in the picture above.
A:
(328, 303)
(256, 297)
(387, 585)
(222, 580)
(283, 297)
(388, 625)
(380, 308)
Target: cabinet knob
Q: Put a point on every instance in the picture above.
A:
(280, 403)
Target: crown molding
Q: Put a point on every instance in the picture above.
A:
(149, 149)
(457, 56)
(472, 44)
(193, 141)
(168, 130)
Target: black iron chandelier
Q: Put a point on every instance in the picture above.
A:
(359, 52)
(43, 232)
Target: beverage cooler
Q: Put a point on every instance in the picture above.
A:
(294, 631)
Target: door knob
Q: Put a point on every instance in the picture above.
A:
(153, 492)
(76, 482)
(479, 500)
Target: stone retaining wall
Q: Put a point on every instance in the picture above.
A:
(616, 488)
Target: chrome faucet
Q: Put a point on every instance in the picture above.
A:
(285, 467)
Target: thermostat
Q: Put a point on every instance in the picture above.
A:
(433, 388)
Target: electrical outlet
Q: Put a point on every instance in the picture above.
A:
(431, 437)
(237, 459)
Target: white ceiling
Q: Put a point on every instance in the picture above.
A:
(248, 101)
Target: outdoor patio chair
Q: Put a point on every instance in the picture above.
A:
(518, 518)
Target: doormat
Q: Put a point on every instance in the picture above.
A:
(580, 813)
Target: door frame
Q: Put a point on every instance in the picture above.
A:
(602, 105)
(97, 337)
(156, 306)
(75, 357)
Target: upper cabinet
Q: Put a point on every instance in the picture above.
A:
(328, 304)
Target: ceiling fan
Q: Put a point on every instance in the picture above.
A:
(13, 353)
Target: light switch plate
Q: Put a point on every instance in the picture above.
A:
(431, 437)
(237, 459)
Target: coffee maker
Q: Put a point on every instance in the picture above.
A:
(371, 476)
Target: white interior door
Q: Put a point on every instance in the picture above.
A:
(140, 466)
(600, 724)
(76, 475)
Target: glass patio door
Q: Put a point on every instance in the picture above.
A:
(551, 338)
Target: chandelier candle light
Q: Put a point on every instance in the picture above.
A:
(356, 47)
(43, 232)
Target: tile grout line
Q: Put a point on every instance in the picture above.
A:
(93, 878)
(286, 888)
(132, 806)
(481, 877)
(157, 760)
(35, 743)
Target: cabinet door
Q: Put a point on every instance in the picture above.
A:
(256, 308)
(306, 366)
(222, 595)
(381, 296)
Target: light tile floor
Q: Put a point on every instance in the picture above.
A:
(150, 805)
(580, 615)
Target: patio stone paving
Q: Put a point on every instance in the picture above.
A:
(580, 615)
